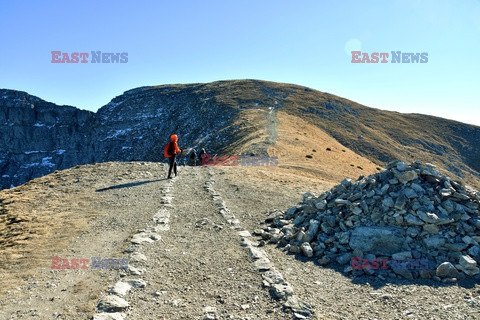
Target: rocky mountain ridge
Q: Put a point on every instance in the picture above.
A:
(38, 137)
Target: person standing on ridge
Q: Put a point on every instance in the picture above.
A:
(170, 152)
(193, 157)
(201, 155)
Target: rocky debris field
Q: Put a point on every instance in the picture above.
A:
(406, 221)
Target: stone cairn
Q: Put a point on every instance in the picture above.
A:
(424, 224)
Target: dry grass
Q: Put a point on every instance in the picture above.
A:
(295, 172)
(38, 220)
(330, 160)
(383, 136)
(251, 129)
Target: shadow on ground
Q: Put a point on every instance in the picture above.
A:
(129, 185)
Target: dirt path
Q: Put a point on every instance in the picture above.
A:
(199, 268)
(272, 127)
(271, 131)
(195, 269)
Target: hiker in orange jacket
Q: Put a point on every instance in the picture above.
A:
(170, 152)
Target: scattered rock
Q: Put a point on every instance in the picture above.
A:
(137, 257)
(143, 237)
(468, 265)
(307, 249)
(407, 176)
(109, 316)
(120, 288)
(402, 255)
(135, 271)
(210, 312)
(467, 262)
(112, 303)
(377, 240)
(446, 269)
(281, 290)
(263, 264)
(244, 233)
(301, 309)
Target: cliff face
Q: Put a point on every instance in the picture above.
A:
(38, 137)
(137, 124)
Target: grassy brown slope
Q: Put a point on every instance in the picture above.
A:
(378, 135)
(250, 129)
(36, 221)
(304, 147)
(383, 136)
(296, 172)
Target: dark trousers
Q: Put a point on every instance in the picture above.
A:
(172, 165)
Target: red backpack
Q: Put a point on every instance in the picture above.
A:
(169, 150)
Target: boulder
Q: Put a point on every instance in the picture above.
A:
(446, 270)
(377, 240)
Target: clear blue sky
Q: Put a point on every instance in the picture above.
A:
(301, 42)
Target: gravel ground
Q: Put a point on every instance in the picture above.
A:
(200, 263)
(198, 268)
(122, 200)
(328, 290)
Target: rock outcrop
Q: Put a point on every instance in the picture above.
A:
(38, 137)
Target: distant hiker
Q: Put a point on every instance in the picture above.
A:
(193, 157)
(201, 155)
(170, 152)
